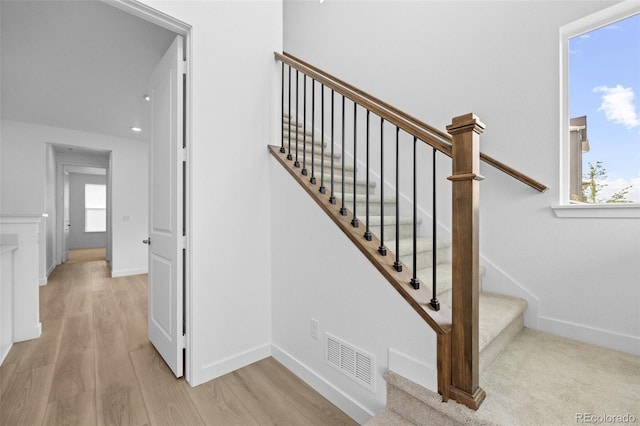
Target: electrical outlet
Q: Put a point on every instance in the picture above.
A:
(315, 329)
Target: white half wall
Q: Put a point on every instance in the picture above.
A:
(24, 183)
(440, 59)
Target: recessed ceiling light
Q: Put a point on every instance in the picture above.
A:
(136, 129)
(147, 98)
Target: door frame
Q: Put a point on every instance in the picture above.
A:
(61, 170)
(161, 19)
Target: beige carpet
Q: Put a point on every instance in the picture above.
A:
(542, 379)
(539, 379)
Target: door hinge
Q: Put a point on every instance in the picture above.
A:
(184, 67)
(182, 242)
(182, 154)
(183, 341)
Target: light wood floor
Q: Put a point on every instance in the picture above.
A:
(86, 255)
(93, 364)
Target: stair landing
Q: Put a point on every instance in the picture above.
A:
(538, 379)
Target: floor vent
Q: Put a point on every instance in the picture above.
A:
(352, 362)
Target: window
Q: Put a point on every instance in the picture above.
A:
(600, 123)
(95, 208)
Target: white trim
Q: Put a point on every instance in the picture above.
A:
(220, 368)
(4, 355)
(589, 23)
(425, 375)
(126, 272)
(343, 401)
(591, 335)
(619, 211)
(27, 333)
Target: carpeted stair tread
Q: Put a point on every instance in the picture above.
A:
(317, 151)
(372, 198)
(422, 244)
(388, 417)
(443, 277)
(337, 178)
(497, 311)
(317, 162)
(388, 221)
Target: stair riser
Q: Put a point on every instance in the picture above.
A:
(425, 259)
(308, 139)
(374, 206)
(406, 231)
(317, 162)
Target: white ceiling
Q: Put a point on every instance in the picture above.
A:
(80, 65)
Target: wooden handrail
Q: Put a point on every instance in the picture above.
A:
(426, 133)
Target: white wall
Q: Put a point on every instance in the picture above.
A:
(500, 60)
(317, 273)
(23, 177)
(78, 238)
(232, 101)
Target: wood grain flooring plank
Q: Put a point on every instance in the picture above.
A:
(6, 373)
(73, 410)
(265, 403)
(165, 396)
(105, 309)
(118, 397)
(133, 320)
(317, 409)
(24, 401)
(75, 366)
(218, 405)
(41, 351)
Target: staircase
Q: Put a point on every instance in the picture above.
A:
(501, 317)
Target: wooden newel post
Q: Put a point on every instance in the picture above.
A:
(465, 387)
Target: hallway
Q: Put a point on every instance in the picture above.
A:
(93, 364)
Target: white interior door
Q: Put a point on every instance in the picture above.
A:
(66, 216)
(166, 224)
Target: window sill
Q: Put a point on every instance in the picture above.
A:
(620, 211)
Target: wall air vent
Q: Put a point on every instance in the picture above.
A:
(350, 361)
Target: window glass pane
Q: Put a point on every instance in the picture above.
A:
(95, 220)
(604, 112)
(95, 196)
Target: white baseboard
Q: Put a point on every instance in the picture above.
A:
(125, 272)
(225, 366)
(43, 281)
(27, 333)
(4, 353)
(51, 268)
(346, 403)
(591, 335)
(423, 374)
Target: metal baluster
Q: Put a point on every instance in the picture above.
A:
(367, 234)
(282, 150)
(354, 221)
(343, 209)
(397, 264)
(332, 198)
(435, 304)
(297, 163)
(289, 156)
(415, 283)
(313, 130)
(382, 249)
(304, 125)
(322, 189)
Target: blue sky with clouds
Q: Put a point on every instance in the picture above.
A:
(604, 85)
